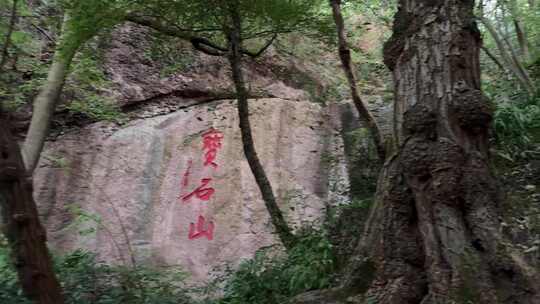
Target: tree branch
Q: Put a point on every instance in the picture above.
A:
(261, 50)
(44, 32)
(199, 43)
(494, 58)
(207, 47)
(361, 106)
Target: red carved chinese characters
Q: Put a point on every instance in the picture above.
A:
(211, 141)
(211, 144)
(201, 192)
(198, 230)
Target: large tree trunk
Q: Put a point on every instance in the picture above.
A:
(47, 99)
(361, 106)
(235, 55)
(23, 229)
(433, 234)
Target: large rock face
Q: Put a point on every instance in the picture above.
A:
(163, 190)
(134, 194)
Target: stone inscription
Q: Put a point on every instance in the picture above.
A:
(211, 142)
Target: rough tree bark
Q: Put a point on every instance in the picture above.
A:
(235, 57)
(433, 234)
(361, 106)
(47, 99)
(22, 227)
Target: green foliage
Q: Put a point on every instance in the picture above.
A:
(87, 281)
(85, 83)
(369, 23)
(97, 108)
(84, 19)
(357, 209)
(346, 223)
(25, 48)
(10, 101)
(9, 283)
(56, 161)
(15, 93)
(261, 19)
(364, 164)
(171, 55)
(517, 115)
(514, 125)
(268, 279)
(328, 159)
(87, 71)
(84, 222)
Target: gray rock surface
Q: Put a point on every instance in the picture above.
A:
(123, 188)
(118, 190)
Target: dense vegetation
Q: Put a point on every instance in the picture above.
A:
(53, 52)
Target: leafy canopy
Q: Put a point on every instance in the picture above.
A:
(209, 19)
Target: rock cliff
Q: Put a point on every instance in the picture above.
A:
(176, 189)
(172, 186)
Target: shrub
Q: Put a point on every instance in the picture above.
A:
(9, 283)
(86, 281)
(97, 108)
(513, 125)
(268, 278)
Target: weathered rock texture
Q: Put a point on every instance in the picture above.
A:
(118, 190)
(433, 234)
(141, 80)
(131, 181)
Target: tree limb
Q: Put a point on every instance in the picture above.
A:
(492, 57)
(199, 43)
(361, 106)
(509, 59)
(264, 48)
(44, 32)
(284, 232)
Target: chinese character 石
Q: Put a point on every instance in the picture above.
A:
(198, 230)
(211, 144)
(201, 192)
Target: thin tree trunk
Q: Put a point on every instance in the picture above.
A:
(7, 41)
(433, 235)
(361, 106)
(517, 62)
(522, 40)
(494, 59)
(520, 30)
(26, 235)
(47, 99)
(235, 42)
(516, 69)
